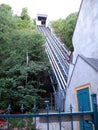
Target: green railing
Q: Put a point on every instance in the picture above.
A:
(29, 121)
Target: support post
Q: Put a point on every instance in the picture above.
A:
(94, 106)
(71, 117)
(8, 123)
(59, 118)
(34, 110)
(47, 110)
(51, 102)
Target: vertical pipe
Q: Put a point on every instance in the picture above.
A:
(51, 102)
(95, 111)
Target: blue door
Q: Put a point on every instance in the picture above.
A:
(84, 105)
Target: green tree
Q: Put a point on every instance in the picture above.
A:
(64, 28)
(24, 14)
(20, 83)
(58, 26)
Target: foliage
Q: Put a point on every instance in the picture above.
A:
(64, 28)
(24, 14)
(58, 26)
(24, 21)
(20, 83)
(25, 123)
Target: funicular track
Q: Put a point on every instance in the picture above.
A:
(58, 57)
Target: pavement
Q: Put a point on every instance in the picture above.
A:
(53, 125)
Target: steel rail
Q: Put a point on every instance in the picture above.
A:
(57, 49)
(64, 67)
(61, 77)
(56, 57)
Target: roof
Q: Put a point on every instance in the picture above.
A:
(91, 61)
(42, 15)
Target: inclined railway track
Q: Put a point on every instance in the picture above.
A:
(58, 57)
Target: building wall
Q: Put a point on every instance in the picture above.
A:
(85, 37)
(82, 74)
(85, 42)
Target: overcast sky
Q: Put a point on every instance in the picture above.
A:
(55, 9)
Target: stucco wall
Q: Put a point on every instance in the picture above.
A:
(85, 42)
(83, 74)
(85, 37)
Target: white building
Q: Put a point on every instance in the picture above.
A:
(83, 73)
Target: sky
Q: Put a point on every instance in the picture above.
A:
(55, 9)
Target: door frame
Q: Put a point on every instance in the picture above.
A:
(76, 98)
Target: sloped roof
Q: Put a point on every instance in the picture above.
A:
(91, 61)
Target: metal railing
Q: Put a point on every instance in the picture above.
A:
(44, 118)
(29, 121)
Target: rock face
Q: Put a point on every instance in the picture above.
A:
(85, 38)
